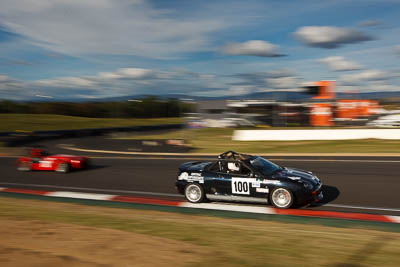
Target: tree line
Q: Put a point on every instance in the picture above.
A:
(150, 107)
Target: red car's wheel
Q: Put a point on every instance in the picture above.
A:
(86, 164)
(63, 167)
(24, 166)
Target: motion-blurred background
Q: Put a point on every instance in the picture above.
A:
(142, 86)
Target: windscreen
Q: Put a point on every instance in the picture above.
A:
(264, 166)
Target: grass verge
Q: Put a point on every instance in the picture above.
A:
(37, 122)
(217, 140)
(222, 241)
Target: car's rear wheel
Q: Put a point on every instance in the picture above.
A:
(87, 164)
(194, 193)
(24, 166)
(63, 167)
(281, 198)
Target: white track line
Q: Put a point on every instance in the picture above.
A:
(189, 157)
(360, 207)
(176, 195)
(96, 189)
(215, 155)
(121, 152)
(273, 159)
(340, 160)
(395, 219)
(242, 208)
(80, 195)
(213, 206)
(168, 156)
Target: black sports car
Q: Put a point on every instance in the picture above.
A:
(241, 177)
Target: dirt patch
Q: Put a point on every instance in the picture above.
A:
(36, 243)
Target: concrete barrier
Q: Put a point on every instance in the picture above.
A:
(323, 134)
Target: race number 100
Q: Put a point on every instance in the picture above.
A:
(240, 186)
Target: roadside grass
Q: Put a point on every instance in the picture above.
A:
(218, 140)
(37, 122)
(223, 242)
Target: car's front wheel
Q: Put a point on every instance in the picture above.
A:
(281, 198)
(63, 167)
(194, 193)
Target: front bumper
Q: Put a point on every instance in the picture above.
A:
(317, 193)
(318, 196)
(180, 186)
(306, 198)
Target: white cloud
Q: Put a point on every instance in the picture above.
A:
(283, 83)
(280, 79)
(135, 27)
(280, 73)
(126, 73)
(381, 86)
(372, 86)
(135, 74)
(11, 89)
(368, 23)
(329, 37)
(66, 82)
(396, 50)
(8, 83)
(252, 48)
(109, 75)
(129, 81)
(364, 76)
(241, 90)
(338, 63)
(3, 78)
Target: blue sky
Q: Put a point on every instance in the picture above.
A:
(101, 48)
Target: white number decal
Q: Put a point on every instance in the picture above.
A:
(241, 186)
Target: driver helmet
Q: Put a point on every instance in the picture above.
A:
(37, 153)
(233, 166)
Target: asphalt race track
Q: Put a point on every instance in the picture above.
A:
(369, 185)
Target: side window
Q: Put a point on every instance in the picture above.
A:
(215, 167)
(223, 166)
(234, 167)
(245, 171)
(220, 166)
(231, 167)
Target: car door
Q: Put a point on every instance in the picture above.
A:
(46, 164)
(234, 181)
(219, 178)
(242, 181)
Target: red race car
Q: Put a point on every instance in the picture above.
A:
(40, 160)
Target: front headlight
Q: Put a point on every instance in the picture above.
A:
(316, 179)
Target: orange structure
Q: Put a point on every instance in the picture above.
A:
(321, 114)
(349, 109)
(326, 90)
(373, 107)
(321, 110)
